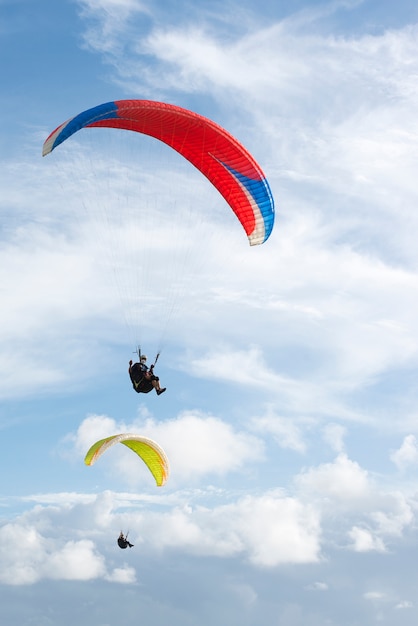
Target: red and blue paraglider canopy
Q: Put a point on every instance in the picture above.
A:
(209, 147)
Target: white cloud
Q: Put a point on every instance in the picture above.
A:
(318, 586)
(245, 367)
(76, 560)
(200, 445)
(125, 575)
(364, 541)
(28, 556)
(55, 259)
(109, 20)
(342, 481)
(334, 435)
(394, 512)
(69, 541)
(287, 432)
(374, 595)
(60, 541)
(407, 454)
(405, 604)
(366, 508)
(92, 429)
(22, 548)
(269, 530)
(197, 445)
(279, 530)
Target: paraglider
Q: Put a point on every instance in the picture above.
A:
(148, 450)
(205, 144)
(123, 542)
(143, 378)
(218, 156)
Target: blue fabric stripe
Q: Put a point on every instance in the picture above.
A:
(102, 112)
(261, 192)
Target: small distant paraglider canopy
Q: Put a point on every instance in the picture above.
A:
(148, 450)
(210, 148)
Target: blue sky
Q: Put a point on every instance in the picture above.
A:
(290, 415)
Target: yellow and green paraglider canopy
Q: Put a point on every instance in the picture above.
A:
(148, 450)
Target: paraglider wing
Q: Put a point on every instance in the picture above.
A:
(208, 146)
(148, 450)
